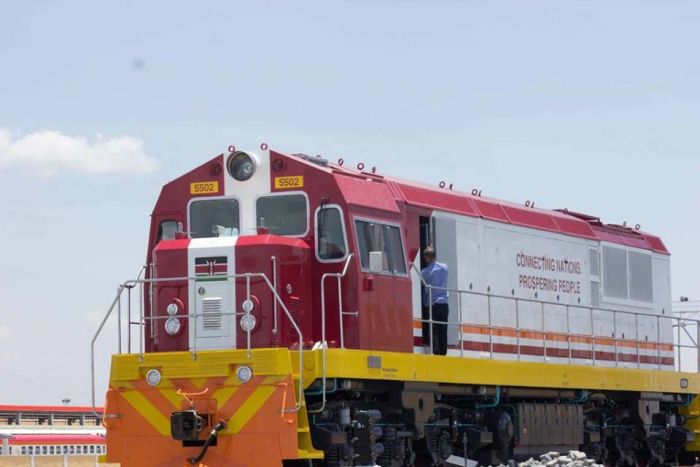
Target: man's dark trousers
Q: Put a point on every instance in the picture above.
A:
(440, 313)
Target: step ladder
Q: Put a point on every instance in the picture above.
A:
(305, 446)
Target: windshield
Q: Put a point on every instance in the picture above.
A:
(214, 218)
(283, 215)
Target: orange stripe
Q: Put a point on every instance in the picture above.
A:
(575, 339)
(558, 337)
(483, 330)
(541, 351)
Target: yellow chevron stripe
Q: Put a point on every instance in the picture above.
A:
(237, 422)
(251, 406)
(168, 390)
(198, 383)
(152, 415)
(174, 398)
(222, 395)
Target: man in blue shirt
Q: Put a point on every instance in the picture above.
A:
(435, 276)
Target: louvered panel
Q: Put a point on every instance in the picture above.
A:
(212, 320)
(294, 307)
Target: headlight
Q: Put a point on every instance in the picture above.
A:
(153, 377)
(241, 166)
(244, 373)
(248, 322)
(172, 309)
(172, 326)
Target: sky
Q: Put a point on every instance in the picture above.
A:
(589, 105)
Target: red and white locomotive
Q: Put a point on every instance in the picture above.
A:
(556, 319)
(310, 215)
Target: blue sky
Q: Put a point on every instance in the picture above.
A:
(590, 105)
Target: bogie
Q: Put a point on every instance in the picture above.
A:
(615, 428)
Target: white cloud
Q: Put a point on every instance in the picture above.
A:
(5, 332)
(52, 151)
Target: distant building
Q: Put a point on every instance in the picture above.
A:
(50, 435)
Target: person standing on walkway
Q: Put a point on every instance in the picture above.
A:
(435, 276)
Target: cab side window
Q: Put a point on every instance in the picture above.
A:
(376, 236)
(331, 242)
(167, 230)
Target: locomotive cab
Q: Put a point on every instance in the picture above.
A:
(201, 302)
(234, 272)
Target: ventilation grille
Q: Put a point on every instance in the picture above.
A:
(615, 272)
(211, 314)
(594, 263)
(294, 307)
(640, 277)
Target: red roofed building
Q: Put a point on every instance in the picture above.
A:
(46, 435)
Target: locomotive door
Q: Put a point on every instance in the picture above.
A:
(456, 243)
(214, 327)
(212, 295)
(445, 245)
(385, 303)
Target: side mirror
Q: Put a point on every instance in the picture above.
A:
(376, 261)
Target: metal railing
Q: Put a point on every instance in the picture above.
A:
(142, 283)
(679, 324)
(687, 312)
(324, 343)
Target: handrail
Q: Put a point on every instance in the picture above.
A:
(301, 342)
(534, 300)
(324, 343)
(128, 317)
(116, 302)
(92, 346)
(144, 319)
(339, 277)
(615, 312)
(273, 259)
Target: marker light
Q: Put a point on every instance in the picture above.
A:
(244, 374)
(172, 326)
(248, 322)
(247, 305)
(241, 166)
(172, 309)
(153, 377)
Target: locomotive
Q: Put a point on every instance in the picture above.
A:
(281, 323)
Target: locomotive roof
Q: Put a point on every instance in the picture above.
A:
(377, 191)
(560, 221)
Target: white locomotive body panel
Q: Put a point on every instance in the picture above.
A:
(534, 295)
